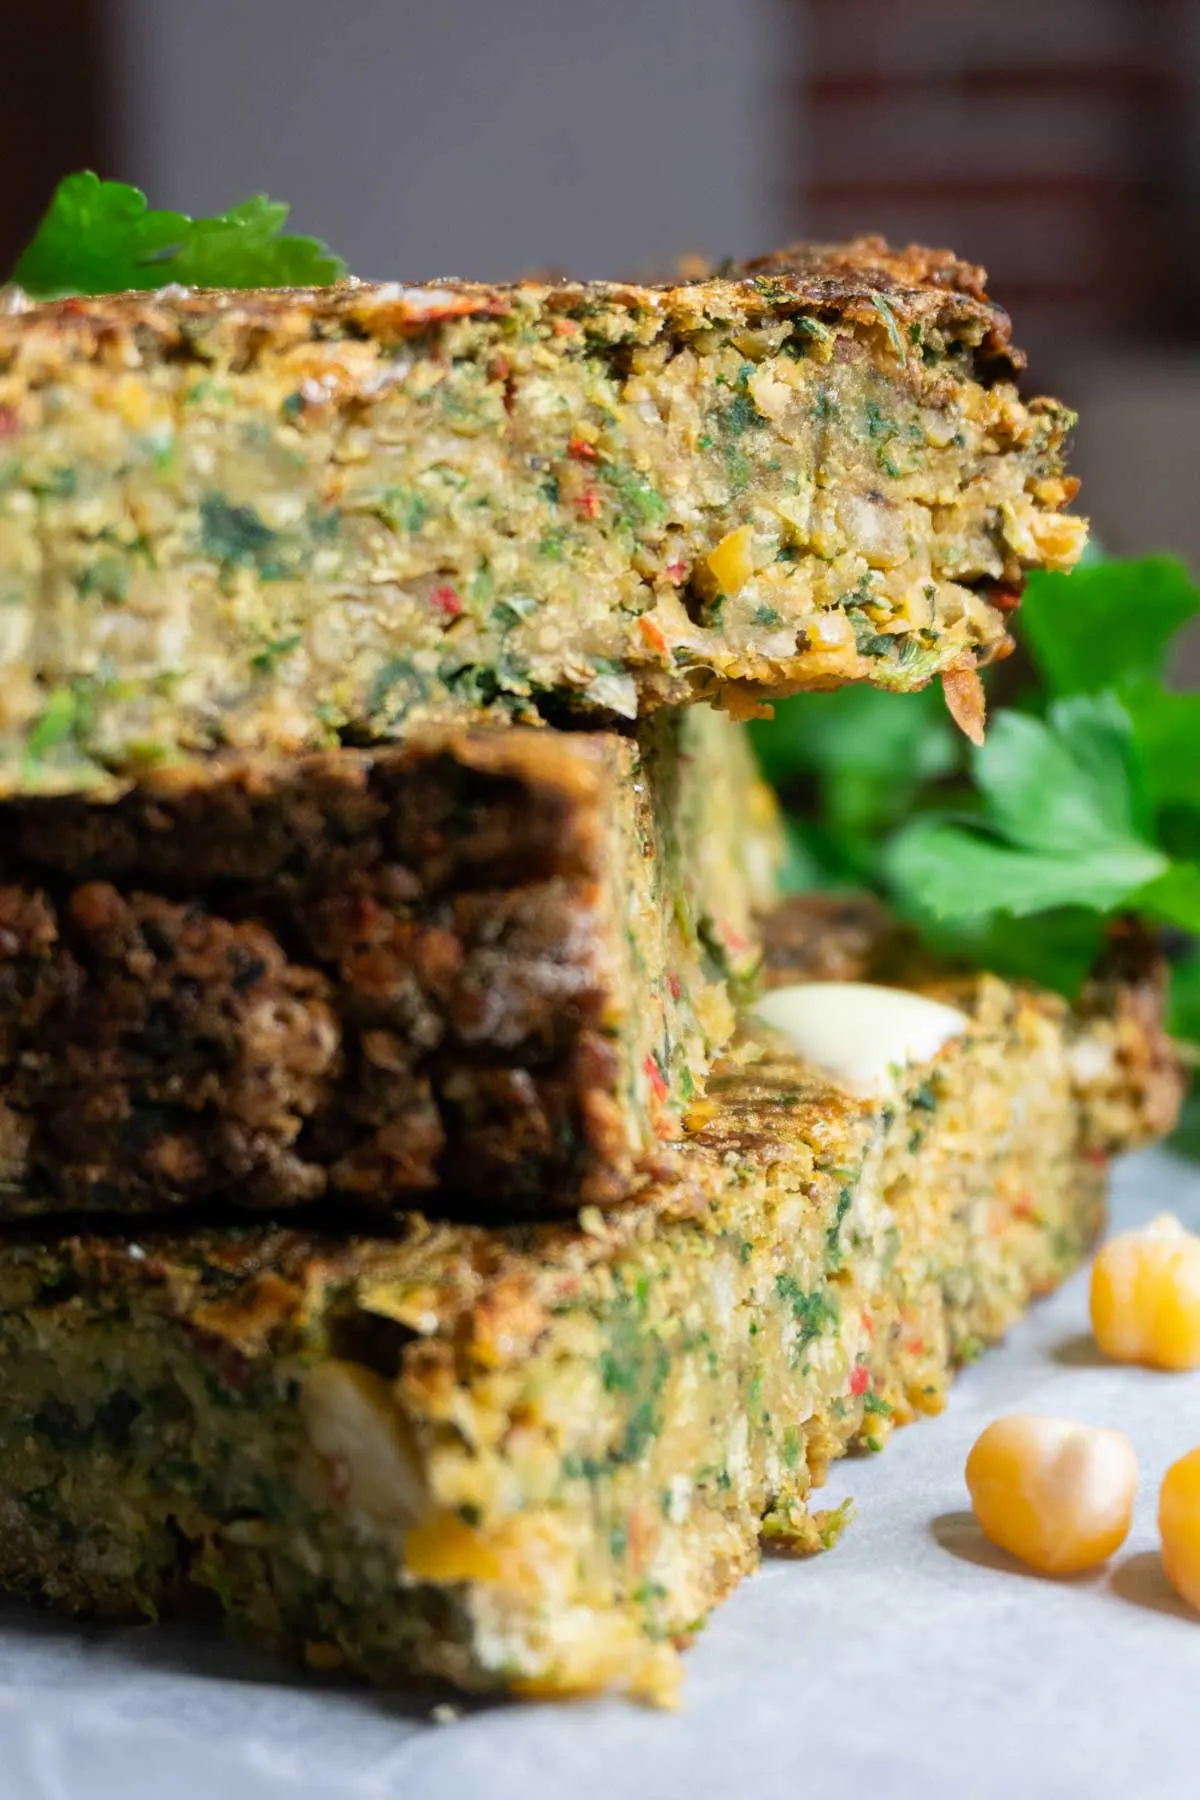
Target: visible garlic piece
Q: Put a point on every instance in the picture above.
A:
(860, 1033)
(353, 1422)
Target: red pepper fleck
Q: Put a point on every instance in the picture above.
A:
(1097, 1158)
(589, 503)
(653, 635)
(639, 1539)
(581, 450)
(860, 1379)
(654, 1075)
(675, 571)
(446, 601)
(1004, 600)
(1023, 1208)
(675, 986)
(868, 1323)
(564, 327)
(8, 420)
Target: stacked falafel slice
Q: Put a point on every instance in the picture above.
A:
(265, 520)
(533, 1457)
(407, 1234)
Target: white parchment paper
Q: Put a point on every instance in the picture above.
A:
(912, 1663)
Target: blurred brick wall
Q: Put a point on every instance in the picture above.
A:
(1050, 139)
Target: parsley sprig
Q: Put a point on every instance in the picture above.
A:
(1076, 791)
(1082, 805)
(101, 237)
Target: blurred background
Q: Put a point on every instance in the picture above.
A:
(1057, 141)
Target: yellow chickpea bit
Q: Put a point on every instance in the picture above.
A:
(731, 562)
(1145, 1297)
(1052, 1492)
(1179, 1526)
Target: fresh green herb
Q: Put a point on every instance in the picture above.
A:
(403, 509)
(885, 312)
(1109, 625)
(233, 535)
(1082, 806)
(639, 504)
(512, 609)
(396, 688)
(738, 469)
(793, 1447)
(812, 1312)
(1063, 823)
(879, 426)
(833, 1247)
(56, 484)
(832, 1521)
(742, 412)
(108, 578)
(56, 724)
(850, 767)
(101, 237)
(266, 660)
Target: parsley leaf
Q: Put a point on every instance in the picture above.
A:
(101, 237)
(1107, 625)
(1173, 898)
(851, 765)
(1058, 949)
(1185, 999)
(1062, 822)
(1083, 803)
(1167, 728)
(951, 873)
(1070, 782)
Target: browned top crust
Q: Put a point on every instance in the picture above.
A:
(857, 281)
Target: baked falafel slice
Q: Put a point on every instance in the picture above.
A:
(533, 1458)
(486, 969)
(266, 520)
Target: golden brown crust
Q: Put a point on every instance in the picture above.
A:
(487, 1291)
(920, 286)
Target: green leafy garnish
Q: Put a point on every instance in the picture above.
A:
(1063, 822)
(866, 757)
(101, 237)
(1083, 803)
(1082, 806)
(1108, 625)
